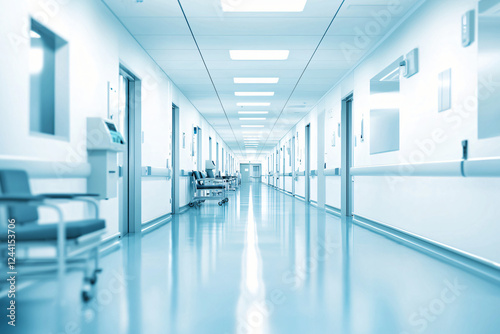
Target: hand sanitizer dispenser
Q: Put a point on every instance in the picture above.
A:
(104, 142)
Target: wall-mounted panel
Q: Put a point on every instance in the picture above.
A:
(384, 130)
(489, 69)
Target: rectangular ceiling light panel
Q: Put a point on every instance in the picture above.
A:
(263, 5)
(256, 80)
(253, 112)
(253, 104)
(259, 54)
(252, 118)
(254, 93)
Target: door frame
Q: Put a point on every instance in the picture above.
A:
(132, 222)
(210, 149)
(307, 140)
(222, 163)
(293, 166)
(347, 148)
(175, 160)
(217, 167)
(199, 149)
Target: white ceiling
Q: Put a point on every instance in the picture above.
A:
(161, 28)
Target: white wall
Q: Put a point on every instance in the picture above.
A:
(98, 44)
(458, 212)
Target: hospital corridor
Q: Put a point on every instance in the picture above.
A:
(250, 166)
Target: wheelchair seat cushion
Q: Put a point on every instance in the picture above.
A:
(36, 232)
(210, 174)
(211, 186)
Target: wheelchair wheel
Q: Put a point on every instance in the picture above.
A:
(220, 203)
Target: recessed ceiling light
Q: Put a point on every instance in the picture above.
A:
(253, 112)
(256, 80)
(252, 126)
(263, 5)
(253, 104)
(254, 93)
(259, 54)
(252, 118)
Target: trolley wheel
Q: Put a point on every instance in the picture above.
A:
(191, 204)
(86, 296)
(87, 293)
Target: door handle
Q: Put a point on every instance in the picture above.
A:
(120, 171)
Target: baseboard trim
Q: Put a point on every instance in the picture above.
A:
(155, 223)
(438, 250)
(333, 210)
(302, 198)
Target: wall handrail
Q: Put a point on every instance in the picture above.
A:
(484, 167)
(156, 172)
(332, 172)
(489, 167)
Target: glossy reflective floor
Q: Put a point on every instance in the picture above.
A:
(265, 263)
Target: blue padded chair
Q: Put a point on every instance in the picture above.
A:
(72, 239)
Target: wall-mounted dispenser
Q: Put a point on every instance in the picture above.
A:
(103, 144)
(410, 64)
(468, 31)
